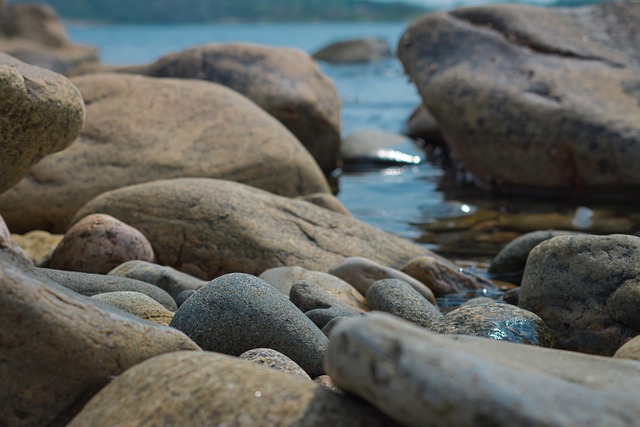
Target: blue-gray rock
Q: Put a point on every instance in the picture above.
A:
(397, 297)
(322, 316)
(184, 295)
(239, 312)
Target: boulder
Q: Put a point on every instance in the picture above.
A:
(327, 201)
(138, 304)
(141, 129)
(531, 99)
(420, 378)
(369, 49)
(586, 289)
(208, 227)
(42, 113)
(58, 348)
(285, 82)
(239, 312)
(97, 244)
(209, 389)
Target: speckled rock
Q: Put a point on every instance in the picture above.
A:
(630, 350)
(140, 305)
(42, 113)
(205, 389)
(58, 348)
(275, 360)
(361, 273)
(420, 378)
(535, 99)
(369, 49)
(88, 284)
(169, 279)
(227, 137)
(327, 201)
(227, 227)
(98, 243)
(38, 245)
(397, 297)
(496, 321)
(510, 262)
(442, 277)
(571, 282)
(321, 317)
(239, 312)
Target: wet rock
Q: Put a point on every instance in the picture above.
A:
(98, 243)
(274, 360)
(284, 82)
(88, 284)
(43, 113)
(514, 72)
(368, 49)
(375, 147)
(421, 378)
(630, 350)
(510, 262)
(237, 228)
(38, 245)
(58, 348)
(169, 279)
(443, 277)
(321, 317)
(239, 312)
(138, 304)
(361, 273)
(309, 296)
(189, 388)
(571, 282)
(400, 299)
(327, 201)
(249, 147)
(496, 321)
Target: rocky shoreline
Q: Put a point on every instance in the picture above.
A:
(202, 273)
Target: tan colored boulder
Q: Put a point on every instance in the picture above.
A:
(138, 304)
(630, 349)
(58, 348)
(208, 227)
(99, 243)
(327, 201)
(42, 113)
(211, 389)
(38, 245)
(141, 129)
(442, 278)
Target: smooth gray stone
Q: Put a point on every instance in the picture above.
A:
(184, 295)
(397, 297)
(239, 312)
(328, 328)
(420, 378)
(89, 284)
(321, 316)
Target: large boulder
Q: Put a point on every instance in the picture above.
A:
(369, 49)
(285, 82)
(141, 129)
(586, 289)
(58, 348)
(535, 99)
(207, 227)
(41, 113)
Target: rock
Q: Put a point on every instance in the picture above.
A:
(630, 350)
(237, 228)
(368, 49)
(321, 317)
(400, 299)
(530, 99)
(283, 278)
(571, 282)
(34, 34)
(168, 279)
(326, 382)
(503, 322)
(423, 126)
(327, 201)
(140, 305)
(510, 262)
(443, 277)
(88, 284)
(274, 360)
(183, 296)
(38, 245)
(98, 243)
(58, 348)
(227, 137)
(285, 82)
(309, 296)
(480, 301)
(361, 273)
(421, 378)
(331, 324)
(375, 147)
(198, 389)
(239, 312)
(8, 245)
(512, 296)
(43, 113)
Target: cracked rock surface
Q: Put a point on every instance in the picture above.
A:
(533, 99)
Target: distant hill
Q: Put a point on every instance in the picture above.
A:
(177, 11)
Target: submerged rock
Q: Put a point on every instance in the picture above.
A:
(368, 49)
